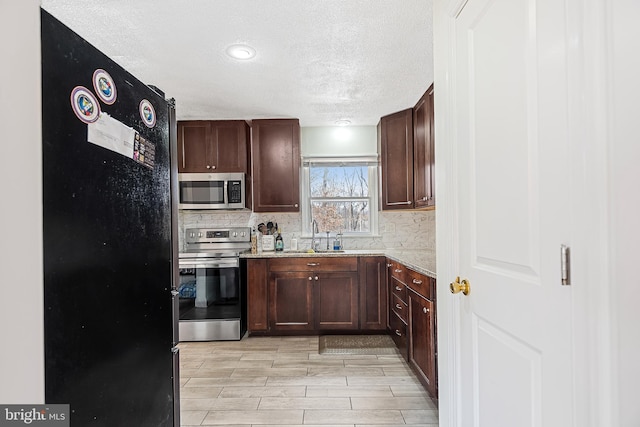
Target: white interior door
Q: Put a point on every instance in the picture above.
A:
(507, 119)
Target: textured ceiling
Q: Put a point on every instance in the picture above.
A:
(317, 60)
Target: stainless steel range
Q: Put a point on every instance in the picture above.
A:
(213, 303)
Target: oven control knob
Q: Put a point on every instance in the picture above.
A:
(199, 234)
(243, 234)
(235, 234)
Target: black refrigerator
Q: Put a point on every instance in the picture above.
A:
(110, 258)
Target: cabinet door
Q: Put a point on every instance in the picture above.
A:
(336, 300)
(290, 304)
(396, 152)
(422, 341)
(423, 155)
(194, 146)
(257, 295)
(372, 275)
(275, 145)
(431, 201)
(229, 145)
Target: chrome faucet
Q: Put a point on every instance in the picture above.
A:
(314, 230)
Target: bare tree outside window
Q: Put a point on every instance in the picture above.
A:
(339, 197)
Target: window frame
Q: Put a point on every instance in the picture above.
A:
(373, 166)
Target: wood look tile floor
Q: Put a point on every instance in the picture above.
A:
(283, 381)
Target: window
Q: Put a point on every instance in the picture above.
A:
(341, 195)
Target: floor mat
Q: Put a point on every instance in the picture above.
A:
(356, 344)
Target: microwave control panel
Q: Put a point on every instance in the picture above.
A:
(235, 191)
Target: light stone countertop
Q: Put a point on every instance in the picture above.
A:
(421, 260)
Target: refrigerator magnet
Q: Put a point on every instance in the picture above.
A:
(84, 104)
(104, 86)
(147, 113)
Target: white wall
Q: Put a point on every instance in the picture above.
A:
(21, 290)
(323, 141)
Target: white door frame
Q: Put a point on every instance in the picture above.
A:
(597, 389)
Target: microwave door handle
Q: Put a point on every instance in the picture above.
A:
(225, 195)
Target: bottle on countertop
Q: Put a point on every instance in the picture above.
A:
(337, 243)
(279, 242)
(254, 241)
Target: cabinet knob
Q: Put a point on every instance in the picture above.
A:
(295, 206)
(397, 270)
(310, 278)
(417, 282)
(316, 278)
(389, 265)
(425, 310)
(213, 167)
(208, 167)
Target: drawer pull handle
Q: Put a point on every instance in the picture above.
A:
(425, 310)
(313, 264)
(397, 270)
(398, 306)
(398, 288)
(389, 265)
(398, 333)
(417, 282)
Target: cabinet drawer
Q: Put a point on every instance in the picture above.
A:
(398, 289)
(316, 264)
(399, 334)
(398, 271)
(421, 284)
(400, 308)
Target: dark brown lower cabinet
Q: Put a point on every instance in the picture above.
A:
(257, 295)
(422, 345)
(412, 321)
(372, 272)
(335, 300)
(314, 294)
(290, 301)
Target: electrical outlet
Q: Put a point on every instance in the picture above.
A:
(390, 227)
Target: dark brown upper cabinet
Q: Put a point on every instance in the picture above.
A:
(275, 145)
(423, 152)
(213, 146)
(396, 155)
(406, 147)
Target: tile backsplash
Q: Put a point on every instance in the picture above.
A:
(406, 229)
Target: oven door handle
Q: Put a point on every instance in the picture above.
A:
(214, 263)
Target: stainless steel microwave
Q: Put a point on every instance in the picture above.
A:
(211, 190)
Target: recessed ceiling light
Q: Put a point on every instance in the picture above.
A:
(241, 51)
(343, 122)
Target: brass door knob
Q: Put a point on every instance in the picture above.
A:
(457, 286)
